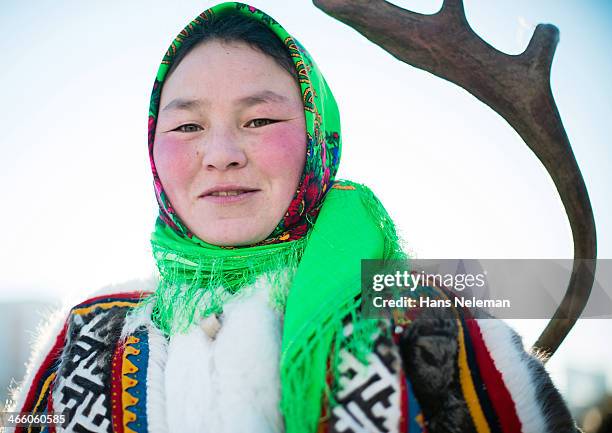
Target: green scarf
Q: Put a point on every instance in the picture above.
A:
(312, 259)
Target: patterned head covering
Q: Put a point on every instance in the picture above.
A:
(322, 129)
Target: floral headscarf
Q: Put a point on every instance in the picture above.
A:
(322, 129)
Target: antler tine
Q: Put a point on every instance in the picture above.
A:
(517, 87)
(541, 47)
(453, 8)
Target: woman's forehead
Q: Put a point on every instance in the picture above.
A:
(239, 75)
(227, 59)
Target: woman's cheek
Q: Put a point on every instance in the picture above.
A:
(175, 161)
(282, 150)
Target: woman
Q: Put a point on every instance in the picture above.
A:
(255, 322)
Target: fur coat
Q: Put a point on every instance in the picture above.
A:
(108, 371)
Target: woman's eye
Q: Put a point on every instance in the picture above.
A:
(189, 127)
(256, 123)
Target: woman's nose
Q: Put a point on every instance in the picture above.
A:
(223, 151)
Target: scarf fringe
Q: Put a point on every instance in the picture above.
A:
(192, 287)
(328, 337)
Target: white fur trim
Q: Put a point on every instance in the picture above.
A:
(246, 357)
(156, 399)
(229, 384)
(511, 361)
(187, 382)
(135, 319)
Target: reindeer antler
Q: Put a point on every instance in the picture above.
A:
(515, 86)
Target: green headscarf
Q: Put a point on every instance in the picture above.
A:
(329, 227)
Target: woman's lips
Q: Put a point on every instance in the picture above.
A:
(228, 197)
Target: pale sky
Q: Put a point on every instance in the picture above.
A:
(460, 183)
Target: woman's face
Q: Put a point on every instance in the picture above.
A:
(230, 142)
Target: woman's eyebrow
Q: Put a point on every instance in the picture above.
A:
(262, 97)
(184, 104)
